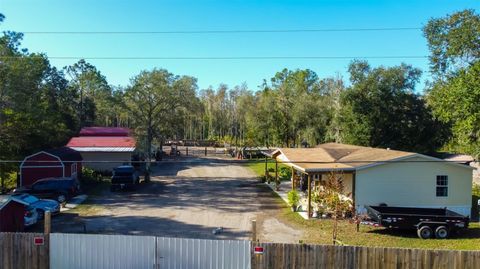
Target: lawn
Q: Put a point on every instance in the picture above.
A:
(258, 166)
(320, 231)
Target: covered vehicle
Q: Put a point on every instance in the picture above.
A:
(427, 221)
(40, 205)
(125, 176)
(61, 189)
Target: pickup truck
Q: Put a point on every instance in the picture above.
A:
(125, 176)
(427, 221)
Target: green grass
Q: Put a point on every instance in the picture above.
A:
(320, 232)
(258, 166)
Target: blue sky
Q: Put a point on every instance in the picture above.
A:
(144, 15)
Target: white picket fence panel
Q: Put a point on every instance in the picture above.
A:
(94, 251)
(186, 253)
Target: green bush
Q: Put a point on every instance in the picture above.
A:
(89, 175)
(285, 173)
(293, 198)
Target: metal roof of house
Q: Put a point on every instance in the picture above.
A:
(105, 131)
(335, 156)
(77, 143)
(104, 149)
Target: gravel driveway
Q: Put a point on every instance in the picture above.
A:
(188, 198)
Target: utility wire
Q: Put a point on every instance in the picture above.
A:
(225, 57)
(222, 31)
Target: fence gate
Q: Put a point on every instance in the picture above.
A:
(94, 251)
(183, 253)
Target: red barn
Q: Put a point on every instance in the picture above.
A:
(12, 211)
(61, 162)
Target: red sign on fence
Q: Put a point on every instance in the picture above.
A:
(258, 250)
(38, 240)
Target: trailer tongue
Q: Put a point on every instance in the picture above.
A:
(427, 221)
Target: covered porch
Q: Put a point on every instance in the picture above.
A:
(309, 175)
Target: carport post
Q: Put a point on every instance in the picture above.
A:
(293, 178)
(266, 167)
(309, 199)
(276, 171)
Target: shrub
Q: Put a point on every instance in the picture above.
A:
(89, 175)
(285, 173)
(293, 198)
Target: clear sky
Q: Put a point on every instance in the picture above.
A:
(179, 15)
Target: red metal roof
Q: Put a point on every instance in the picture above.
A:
(95, 141)
(104, 131)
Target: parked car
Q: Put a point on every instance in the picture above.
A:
(124, 176)
(41, 205)
(427, 221)
(60, 189)
(31, 216)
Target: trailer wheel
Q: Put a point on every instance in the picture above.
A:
(425, 232)
(441, 232)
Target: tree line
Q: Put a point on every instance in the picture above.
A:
(42, 106)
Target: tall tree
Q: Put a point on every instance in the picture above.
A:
(381, 109)
(454, 97)
(454, 41)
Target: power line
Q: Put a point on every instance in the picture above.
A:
(245, 31)
(226, 57)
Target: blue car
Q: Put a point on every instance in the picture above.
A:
(40, 205)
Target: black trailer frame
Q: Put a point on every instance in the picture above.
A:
(427, 221)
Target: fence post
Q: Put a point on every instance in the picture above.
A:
(47, 222)
(254, 231)
(205, 151)
(187, 151)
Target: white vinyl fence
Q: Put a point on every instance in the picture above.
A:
(183, 253)
(94, 251)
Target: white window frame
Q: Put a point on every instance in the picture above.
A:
(441, 186)
(73, 169)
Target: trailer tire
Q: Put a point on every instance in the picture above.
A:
(441, 232)
(425, 232)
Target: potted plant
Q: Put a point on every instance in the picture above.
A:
(293, 198)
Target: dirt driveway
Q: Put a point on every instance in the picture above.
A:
(189, 198)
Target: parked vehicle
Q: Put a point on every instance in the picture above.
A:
(60, 189)
(427, 221)
(41, 205)
(124, 176)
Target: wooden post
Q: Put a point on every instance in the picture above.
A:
(309, 198)
(254, 230)
(205, 151)
(293, 179)
(266, 167)
(187, 152)
(47, 222)
(276, 173)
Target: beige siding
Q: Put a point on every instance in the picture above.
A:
(118, 158)
(414, 184)
(347, 182)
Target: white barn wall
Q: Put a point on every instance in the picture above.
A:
(414, 185)
(118, 159)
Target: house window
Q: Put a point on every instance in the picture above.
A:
(74, 169)
(442, 186)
